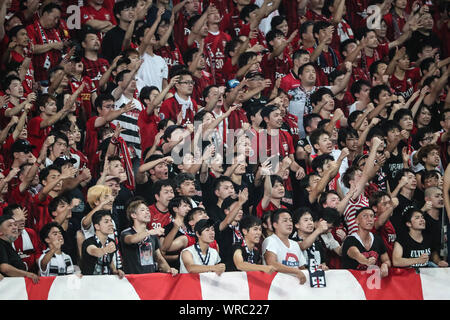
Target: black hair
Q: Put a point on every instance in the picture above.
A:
(344, 44)
(145, 93)
(122, 5)
(14, 30)
(276, 214)
(302, 68)
(53, 205)
(219, 181)
(158, 185)
(121, 74)
(102, 98)
(176, 202)
(319, 93)
(181, 178)
(376, 197)
(344, 133)
(43, 174)
(409, 214)
(97, 216)
(357, 87)
(271, 35)
(375, 92)
(320, 161)
(320, 25)
(43, 234)
(245, 58)
(401, 113)
(50, 6)
(249, 221)
(299, 213)
(245, 12)
(330, 215)
(10, 208)
(335, 74)
(304, 26)
(390, 125)
(276, 21)
(315, 135)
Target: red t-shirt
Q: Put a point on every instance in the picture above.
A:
(215, 53)
(25, 200)
(158, 219)
(172, 57)
(29, 256)
(171, 108)
(40, 212)
(200, 85)
(95, 69)
(276, 67)
(289, 82)
(270, 207)
(85, 96)
(285, 144)
(388, 234)
(36, 134)
(381, 51)
(27, 82)
(406, 86)
(148, 128)
(45, 61)
(90, 13)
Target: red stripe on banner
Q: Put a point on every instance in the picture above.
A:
(259, 284)
(161, 286)
(400, 284)
(40, 290)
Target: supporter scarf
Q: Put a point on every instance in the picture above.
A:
(47, 63)
(199, 252)
(126, 161)
(237, 235)
(321, 61)
(250, 253)
(185, 105)
(103, 263)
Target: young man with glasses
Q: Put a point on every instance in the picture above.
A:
(181, 102)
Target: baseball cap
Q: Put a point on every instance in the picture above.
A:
(60, 161)
(233, 83)
(254, 74)
(203, 224)
(112, 178)
(22, 145)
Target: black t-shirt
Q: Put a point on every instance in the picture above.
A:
(144, 190)
(433, 229)
(376, 250)
(414, 249)
(404, 204)
(119, 213)
(140, 257)
(91, 265)
(70, 246)
(250, 256)
(392, 167)
(10, 256)
(209, 198)
(112, 43)
(254, 101)
(226, 239)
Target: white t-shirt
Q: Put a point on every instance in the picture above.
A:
(290, 257)
(152, 72)
(212, 260)
(60, 264)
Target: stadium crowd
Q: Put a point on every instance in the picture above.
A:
(192, 136)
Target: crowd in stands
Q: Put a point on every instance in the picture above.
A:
(193, 136)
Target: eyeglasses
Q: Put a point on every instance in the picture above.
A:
(192, 82)
(427, 139)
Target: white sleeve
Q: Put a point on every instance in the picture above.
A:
(302, 257)
(43, 273)
(269, 245)
(330, 242)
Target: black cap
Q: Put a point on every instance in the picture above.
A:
(254, 74)
(60, 161)
(22, 145)
(226, 204)
(203, 224)
(5, 218)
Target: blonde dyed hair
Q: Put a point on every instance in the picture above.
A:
(96, 192)
(132, 207)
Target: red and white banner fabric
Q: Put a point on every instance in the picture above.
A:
(401, 284)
